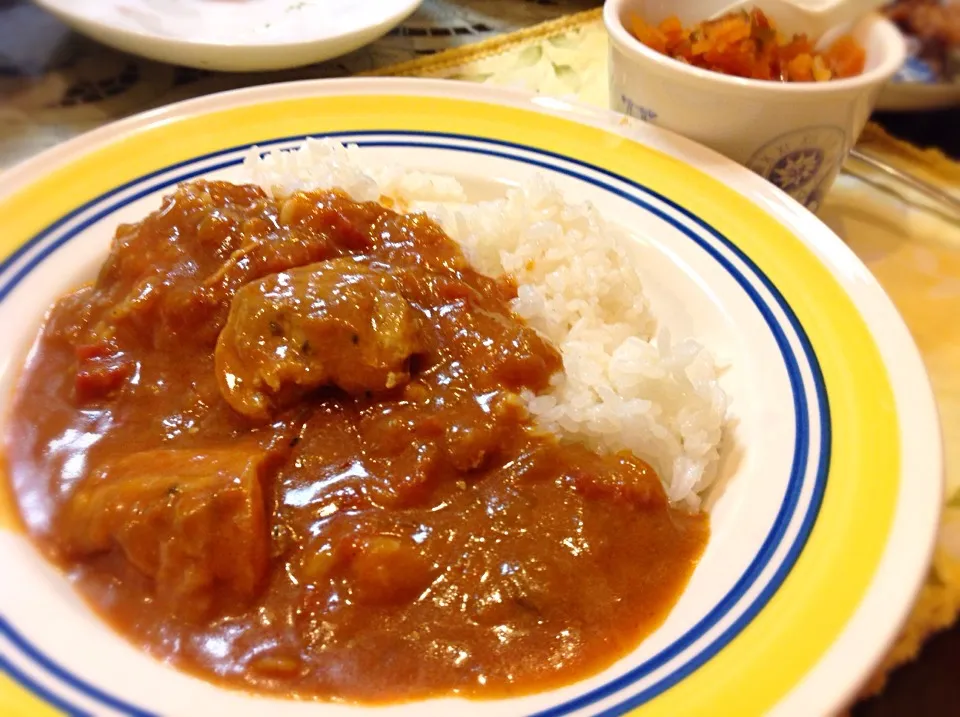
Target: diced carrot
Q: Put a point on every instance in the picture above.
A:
(845, 57)
(747, 44)
(672, 26)
(800, 68)
(648, 35)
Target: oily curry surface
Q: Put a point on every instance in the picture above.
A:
(280, 444)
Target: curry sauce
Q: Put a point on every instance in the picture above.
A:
(282, 444)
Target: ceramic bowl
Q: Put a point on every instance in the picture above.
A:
(796, 135)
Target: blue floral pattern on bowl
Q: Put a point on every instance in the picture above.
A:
(803, 163)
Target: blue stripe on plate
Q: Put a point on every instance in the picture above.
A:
(8, 631)
(798, 469)
(39, 690)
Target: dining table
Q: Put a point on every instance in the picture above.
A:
(56, 84)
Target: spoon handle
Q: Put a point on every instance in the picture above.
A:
(840, 13)
(945, 199)
(811, 17)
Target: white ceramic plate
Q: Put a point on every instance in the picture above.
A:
(917, 96)
(823, 525)
(234, 35)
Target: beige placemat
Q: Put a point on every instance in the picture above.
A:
(912, 250)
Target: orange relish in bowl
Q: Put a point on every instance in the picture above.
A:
(748, 44)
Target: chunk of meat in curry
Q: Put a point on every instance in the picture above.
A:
(280, 444)
(194, 522)
(337, 323)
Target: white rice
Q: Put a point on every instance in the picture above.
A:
(626, 384)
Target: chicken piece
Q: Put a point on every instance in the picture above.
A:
(338, 323)
(265, 255)
(193, 521)
(149, 285)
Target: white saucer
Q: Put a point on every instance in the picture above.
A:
(916, 96)
(234, 35)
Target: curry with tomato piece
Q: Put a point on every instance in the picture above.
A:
(281, 444)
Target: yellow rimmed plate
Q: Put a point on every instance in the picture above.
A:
(825, 518)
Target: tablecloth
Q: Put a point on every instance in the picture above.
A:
(55, 84)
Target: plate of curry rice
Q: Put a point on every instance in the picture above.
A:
(393, 396)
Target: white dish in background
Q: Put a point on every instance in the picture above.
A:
(918, 96)
(234, 35)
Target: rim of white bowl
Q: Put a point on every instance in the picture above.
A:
(894, 43)
(64, 10)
